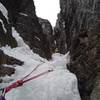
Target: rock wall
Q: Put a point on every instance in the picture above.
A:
(5, 27)
(26, 23)
(21, 15)
(77, 30)
(48, 32)
(81, 21)
(6, 39)
(5, 59)
(96, 91)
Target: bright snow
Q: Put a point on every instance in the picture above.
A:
(4, 11)
(57, 85)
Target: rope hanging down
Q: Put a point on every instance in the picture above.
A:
(20, 82)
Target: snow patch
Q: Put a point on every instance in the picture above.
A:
(23, 14)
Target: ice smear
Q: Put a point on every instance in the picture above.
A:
(57, 85)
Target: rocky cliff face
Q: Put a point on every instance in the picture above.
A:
(26, 23)
(21, 15)
(48, 32)
(81, 20)
(6, 38)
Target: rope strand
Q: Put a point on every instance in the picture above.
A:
(21, 82)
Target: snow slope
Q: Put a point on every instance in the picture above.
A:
(57, 85)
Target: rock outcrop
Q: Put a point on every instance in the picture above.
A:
(96, 91)
(60, 35)
(81, 21)
(26, 23)
(48, 32)
(77, 30)
(6, 71)
(5, 59)
(21, 15)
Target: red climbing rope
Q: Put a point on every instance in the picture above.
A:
(21, 82)
(17, 83)
(32, 71)
(34, 77)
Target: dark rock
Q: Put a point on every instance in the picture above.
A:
(12, 61)
(22, 16)
(81, 21)
(6, 31)
(1, 80)
(60, 35)
(48, 32)
(6, 71)
(5, 59)
(96, 91)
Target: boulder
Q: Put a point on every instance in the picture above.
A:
(6, 71)
(5, 59)
(27, 24)
(60, 35)
(21, 15)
